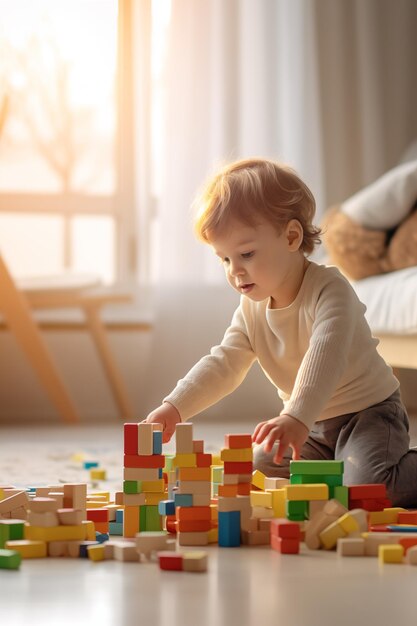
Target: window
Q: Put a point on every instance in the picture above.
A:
(60, 183)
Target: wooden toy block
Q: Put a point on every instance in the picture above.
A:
(170, 561)
(285, 546)
(411, 556)
(153, 519)
(255, 537)
(134, 499)
(153, 486)
(296, 493)
(330, 535)
(194, 561)
(264, 524)
(42, 492)
(96, 553)
(361, 518)
(285, 529)
(229, 529)
(201, 500)
(10, 559)
(183, 499)
(194, 473)
(367, 504)
(55, 533)
(387, 516)
(154, 498)
(75, 496)
(190, 526)
(227, 491)
(231, 467)
(194, 487)
(349, 524)
(334, 507)
(274, 483)
(243, 489)
(131, 438)
(261, 498)
(72, 549)
(19, 513)
(315, 507)
(193, 538)
(213, 535)
(28, 549)
(236, 455)
(296, 510)
(315, 526)
(203, 460)
(140, 460)
(149, 542)
(217, 474)
(238, 441)
(131, 524)
(185, 460)
(43, 505)
(57, 548)
(261, 512)
(351, 546)
(125, 551)
(390, 553)
(367, 492)
(45, 520)
(132, 486)
(11, 529)
(141, 473)
(145, 439)
(116, 528)
(184, 439)
(341, 494)
(193, 513)
(98, 474)
(198, 446)
(374, 540)
(101, 527)
(89, 530)
(327, 468)
(278, 502)
(157, 441)
(15, 501)
(166, 507)
(231, 479)
(407, 517)
(98, 515)
(408, 543)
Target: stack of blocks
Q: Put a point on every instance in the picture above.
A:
(234, 495)
(192, 495)
(143, 484)
(312, 481)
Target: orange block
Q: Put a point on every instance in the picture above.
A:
(193, 526)
(102, 527)
(237, 441)
(244, 489)
(228, 491)
(144, 460)
(407, 543)
(130, 521)
(193, 513)
(194, 473)
(407, 517)
(203, 459)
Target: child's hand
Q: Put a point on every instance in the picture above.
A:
(168, 416)
(285, 429)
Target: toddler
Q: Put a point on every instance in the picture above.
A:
(306, 327)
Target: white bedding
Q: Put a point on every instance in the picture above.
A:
(391, 301)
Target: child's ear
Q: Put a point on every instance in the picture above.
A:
(294, 234)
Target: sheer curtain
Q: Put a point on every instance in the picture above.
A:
(327, 86)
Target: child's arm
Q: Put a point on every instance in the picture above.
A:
(287, 430)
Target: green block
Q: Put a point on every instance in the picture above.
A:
(131, 486)
(168, 462)
(308, 479)
(142, 517)
(17, 529)
(153, 519)
(296, 510)
(217, 474)
(9, 559)
(342, 495)
(324, 468)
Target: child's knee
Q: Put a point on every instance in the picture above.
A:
(263, 461)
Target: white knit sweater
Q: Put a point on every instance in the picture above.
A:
(318, 352)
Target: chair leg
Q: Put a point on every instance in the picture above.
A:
(101, 340)
(20, 322)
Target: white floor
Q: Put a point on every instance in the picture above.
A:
(246, 585)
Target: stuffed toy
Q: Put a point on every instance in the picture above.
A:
(375, 231)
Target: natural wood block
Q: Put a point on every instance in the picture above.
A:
(145, 439)
(44, 520)
(125, 552)
(349, 546)
(15, 501)
(43, 505)
(194, 561)
(184, 439)
(70, 517)
(193, 539)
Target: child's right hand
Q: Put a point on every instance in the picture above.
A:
(168, 416)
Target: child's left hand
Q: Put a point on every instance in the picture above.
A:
(285, 429)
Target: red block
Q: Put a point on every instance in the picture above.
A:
(171, 524)
(408, 543)
(142, 460)
(98, 515)
(285, 529)
(193, 513)
(367, 505)
(244, 489)
(193, 526)
(285, 546)
(203, 459)
(407, 517)
(235, 442)
(130, 438)
(170, 561)
(367, 492)
(232, 467)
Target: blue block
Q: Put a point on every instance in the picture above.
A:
(90, 464)
(119, 516)
(83, 548)
(183, 499)
(102, 537)
(166, 507)
(157, 442)
(116, 528)
(160, 472)
(229, 529)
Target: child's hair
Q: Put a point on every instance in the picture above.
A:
(254, 188)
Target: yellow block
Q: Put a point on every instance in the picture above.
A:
(213, 535)
(390, 553)
(89, 530)
(154, 498)
(278, 502)
(94, 504)
(184, 460)
(98, 474)
(216, 459)
(307, 492)
(214, 512)
(154, 486)
(261, 498)
(100, 496)
(55, 533)
(242, 455)
(28, 549)
(330, 535)
(258, 479)
(1, 494)
(387, 516)
(348, 523)
(96, 553)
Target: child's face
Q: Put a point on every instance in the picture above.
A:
(260, 262)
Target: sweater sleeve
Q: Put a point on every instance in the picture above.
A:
(216, 374)
(335, 317)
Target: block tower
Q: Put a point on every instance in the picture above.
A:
(234, 495)
(143, 483)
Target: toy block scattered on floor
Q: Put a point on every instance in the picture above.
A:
(285, 536)
(152, 542)
(10, 559)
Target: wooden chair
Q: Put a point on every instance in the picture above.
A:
(17, 303)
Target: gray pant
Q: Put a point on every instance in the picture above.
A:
(374, 445)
